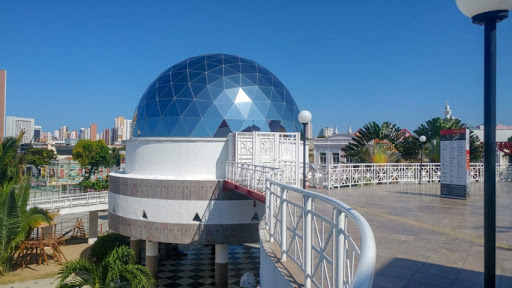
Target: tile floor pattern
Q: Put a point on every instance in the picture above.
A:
(198, 268)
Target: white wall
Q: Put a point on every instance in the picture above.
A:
(178, 158)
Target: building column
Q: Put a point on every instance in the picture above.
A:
(152, 257)
(93, 227)
(221, 266)
(135, 246)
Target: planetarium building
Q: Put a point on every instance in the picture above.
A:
(183, 129)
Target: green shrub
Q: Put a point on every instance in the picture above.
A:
(106, 244)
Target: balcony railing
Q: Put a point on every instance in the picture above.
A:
(69, 201)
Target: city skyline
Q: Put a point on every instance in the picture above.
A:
(394, 65)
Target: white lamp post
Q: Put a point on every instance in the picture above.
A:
(422, 140)
(304, 119)
(488, 13)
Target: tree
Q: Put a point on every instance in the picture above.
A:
(380, 151)
(11, 162)
(370, 132)
(509, 139)
(16, 222)
(116, 157)
(410, 148)
(118, 269)
(39, 156)
(92, 154)
(432, 131)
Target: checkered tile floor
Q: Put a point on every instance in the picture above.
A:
(198, 268)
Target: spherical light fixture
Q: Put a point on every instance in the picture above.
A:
(423, 139)
(480, 10)
(305, 117)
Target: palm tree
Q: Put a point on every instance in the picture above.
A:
(16, 222)
(370, 132)
(11, 163)
(116, 270)
(380, 151)
(432, 131)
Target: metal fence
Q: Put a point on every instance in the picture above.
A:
(342, 175)
(312, 230)
(69, 201)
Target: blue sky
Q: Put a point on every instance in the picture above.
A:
(349, 62)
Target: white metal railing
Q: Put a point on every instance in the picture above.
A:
(69, 201)
(315, 226)
(340, 175)
(248, 175)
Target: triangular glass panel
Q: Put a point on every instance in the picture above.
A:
(210, 65)
(245, 81)
(151, 94)
(214, 91)
(231, 60)
(211, 77)
(244, 108)
(287, 116)
(166, 93)
(235, 124)
(224, 97)
(233, 78)
(201, 80)
(163, 104)
(223, 107)
(219, 84)
(183, 105)
(254, 113)
(144, 215)
(185, 94)
(156, 127)
(182, 66)
(172, 110)
(255, 217)
(217, 71)
(229, 84)
(279, 108)
(192, 111)
(276, 96)
(179, 77)
(234, 67)
(234, 113)
(192, 75)
(141, 114)
(200, 130)
(272, 114)
(203, 106)
(248, 68)
(249, 126)
(223, 130)
(196, 218)
(241, 97)
(164, 80)
(274, 125)
(232, 93)
(200, 68)
(204, 95)
(262, 81)
(190, 123)
(262, 107)
(213, 112)
(179, 130)
(250, 91)
(262, 124)
(149, 106)
(197, 89)
(177, 88)
(212, 124)
(170, 124)
(218, 60)
(154, 112)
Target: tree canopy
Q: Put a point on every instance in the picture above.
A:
(39, 156)
(92, 155)
(11, 162)
(509, 139)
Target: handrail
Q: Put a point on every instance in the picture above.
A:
(351, 265)
(340, 175)
(67, 201)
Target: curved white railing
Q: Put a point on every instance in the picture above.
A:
(315, 226)
(339, 175)
(69, 201)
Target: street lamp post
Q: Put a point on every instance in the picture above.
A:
(488, 13)
(422, 140)
(304, 119)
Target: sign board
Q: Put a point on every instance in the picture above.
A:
(455, 163)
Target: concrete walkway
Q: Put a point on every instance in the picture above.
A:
(427, 241)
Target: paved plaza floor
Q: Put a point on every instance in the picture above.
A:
(427, 241)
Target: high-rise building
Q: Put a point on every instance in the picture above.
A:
(74, 134)
(63, 133)
(82, 133)
(309, 130)
(106, 136)
(113, 135)
(14, 125)
(127, 129)
(326, 132)
(94, 132)
(119, 124)
(3, 91)
(56, 134)
(38, 130)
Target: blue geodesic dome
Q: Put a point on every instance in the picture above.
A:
(213, 95)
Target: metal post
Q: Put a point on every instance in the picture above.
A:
(271, 218)
(283, 224)
(490, 153)
(307, 241)
(304, 157)
(421, 163)
(340, 248)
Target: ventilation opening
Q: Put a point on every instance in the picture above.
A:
(144, 216)
(255, 217)
(197, 218)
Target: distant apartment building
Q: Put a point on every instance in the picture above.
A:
(15, 125)
(93, 132)
(309, 131)
(63, 133)
(106, 136)
(3, 91)
(38, 131)
(56, 134)
(127, 130)
(326, 132)
(74, 134)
